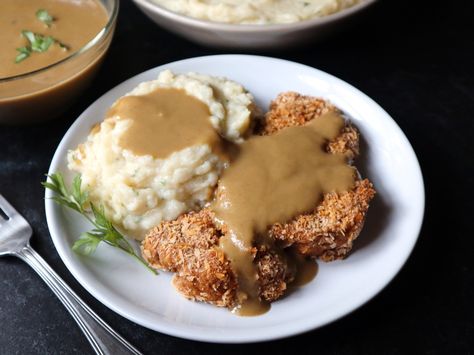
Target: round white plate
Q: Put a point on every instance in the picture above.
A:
(391, 230)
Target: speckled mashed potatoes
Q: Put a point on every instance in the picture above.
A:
(256, 11)
(138, 192)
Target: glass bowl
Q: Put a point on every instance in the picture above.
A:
(45, 93)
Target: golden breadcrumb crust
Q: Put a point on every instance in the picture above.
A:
(189, 247)
(291, 109)
(329, 231)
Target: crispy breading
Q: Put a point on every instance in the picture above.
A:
(188, 246)
(329, 231)
(291, 109)
(274, 274)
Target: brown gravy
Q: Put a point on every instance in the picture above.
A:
(272, 179)
(305, 270)
(163, 122)
(75, 23)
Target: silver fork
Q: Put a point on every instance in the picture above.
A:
(15, 233)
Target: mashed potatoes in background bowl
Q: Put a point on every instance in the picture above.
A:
(257, 12)
(256, 25)
(138, 192)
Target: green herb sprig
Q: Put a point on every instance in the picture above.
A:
(37, 43)
(103, 231)
(44, 16)
(24, 52)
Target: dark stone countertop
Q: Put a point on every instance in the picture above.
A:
(416, 61)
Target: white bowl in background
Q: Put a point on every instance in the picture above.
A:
(255, 37)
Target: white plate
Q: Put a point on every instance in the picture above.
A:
(392, 227)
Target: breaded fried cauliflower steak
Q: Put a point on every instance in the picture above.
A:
(189, 246)
(330, 229)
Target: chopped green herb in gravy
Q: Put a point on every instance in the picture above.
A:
(37, 33)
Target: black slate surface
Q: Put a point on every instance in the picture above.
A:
(415, 59)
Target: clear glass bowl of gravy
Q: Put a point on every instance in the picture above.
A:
(48, 90)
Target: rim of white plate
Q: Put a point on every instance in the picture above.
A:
(265, 333)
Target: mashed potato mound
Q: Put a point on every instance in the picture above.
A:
(232, 108)
(138, 192)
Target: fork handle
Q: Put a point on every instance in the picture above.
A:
(101, 336)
